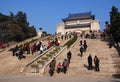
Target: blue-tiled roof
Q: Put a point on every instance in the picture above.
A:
(77, 26)
(85, 15)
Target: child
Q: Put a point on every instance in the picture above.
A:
(59, 68)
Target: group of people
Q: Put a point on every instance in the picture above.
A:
(28, 48)
(32, 48)
(18, 52)
(83, 47)
(96, 63)
(53, 41)
(66, 36)
(61, 67)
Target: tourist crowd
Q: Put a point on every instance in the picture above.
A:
(32, 48)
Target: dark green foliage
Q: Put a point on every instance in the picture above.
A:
(11, 49)
(21, 17)
(34, 66)
(115, 23)
(71, 41)
(18, 38)
(3, 18)
(15, 27)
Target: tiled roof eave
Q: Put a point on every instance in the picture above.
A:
(66, 19)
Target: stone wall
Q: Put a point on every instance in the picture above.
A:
(94, 26)
(61, 28)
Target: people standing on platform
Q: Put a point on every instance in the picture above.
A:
(85, 42)
(32, 49)
(80, 42)
(52, 67)
(89, 62)
(85, 47)
(81, 51)
(28, 49)
(96, 62)
(21, 54)
(81, 36)
(59, 68)
(65, 64)
(15, 50)
(41, 49)
(69, 54)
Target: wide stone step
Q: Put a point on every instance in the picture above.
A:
(84, 74)
(109, 60)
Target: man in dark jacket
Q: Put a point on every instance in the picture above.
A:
(85, 47)
(65, 65)
(69, 54)
(52, 67)
(81, 50)
(89, 62)
(96, 62)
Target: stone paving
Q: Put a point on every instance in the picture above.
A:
(77, 71)
(52, 79)
(109, 60)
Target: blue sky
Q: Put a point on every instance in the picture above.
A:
(48, 13)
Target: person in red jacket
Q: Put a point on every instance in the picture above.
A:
(59, 68)
(32, 49)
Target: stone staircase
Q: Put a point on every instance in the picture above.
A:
(16, 65)
(109, 60)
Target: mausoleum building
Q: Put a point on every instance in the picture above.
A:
(80, 22)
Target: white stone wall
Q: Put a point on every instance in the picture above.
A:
(78, 29)
(61, 28)
(95, 25)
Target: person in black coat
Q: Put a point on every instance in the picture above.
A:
(21, 54)
(69, 54)
(96, 62)
(52, 67)
(81, 50)
(85, 47)
(89, 62)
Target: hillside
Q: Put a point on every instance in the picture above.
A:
(15, 27)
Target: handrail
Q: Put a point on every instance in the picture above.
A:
(22, 70)
(33, 60)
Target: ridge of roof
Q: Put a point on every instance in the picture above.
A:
(79, 16)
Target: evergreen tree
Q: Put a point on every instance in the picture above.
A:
(15, 27)
(115, 23)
